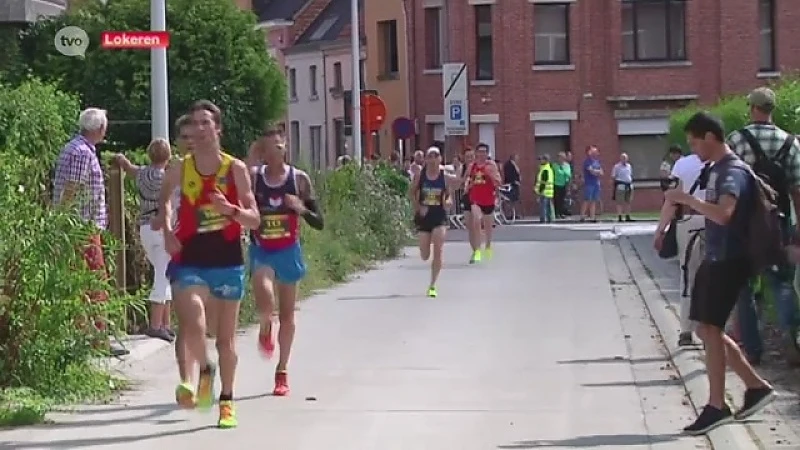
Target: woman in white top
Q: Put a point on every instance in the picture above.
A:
(148, 184)
(622, 175)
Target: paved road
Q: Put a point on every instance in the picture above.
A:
(532, 349)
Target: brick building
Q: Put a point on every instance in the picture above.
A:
(549, 75)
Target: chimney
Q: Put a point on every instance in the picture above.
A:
(306, 17)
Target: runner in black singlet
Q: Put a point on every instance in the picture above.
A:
(430, 193)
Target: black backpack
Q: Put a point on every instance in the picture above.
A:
(768, 225)
(772, 170)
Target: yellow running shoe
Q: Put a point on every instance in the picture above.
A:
(488, 252)
(184, 396)
(205, 388)
(476, 257)
(227, 415)
(432, 292)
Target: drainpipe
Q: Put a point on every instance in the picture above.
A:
(325, 104)
(411, 69)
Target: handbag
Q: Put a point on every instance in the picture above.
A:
(669, 248)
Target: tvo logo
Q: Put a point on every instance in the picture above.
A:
(71, 41)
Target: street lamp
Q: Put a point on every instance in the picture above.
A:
(159, 99)
(355, 42)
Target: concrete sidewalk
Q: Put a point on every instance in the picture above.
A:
(519, 352)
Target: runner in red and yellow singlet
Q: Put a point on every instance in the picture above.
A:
(207, 267)
(483, 179)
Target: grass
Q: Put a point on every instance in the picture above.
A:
(641, 215)
(22, 406)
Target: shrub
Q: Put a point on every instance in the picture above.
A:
(36, 119)
(46, 337)
(734, 112)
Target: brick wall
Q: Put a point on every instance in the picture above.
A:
(595, 49)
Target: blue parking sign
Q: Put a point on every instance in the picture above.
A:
(456, 113)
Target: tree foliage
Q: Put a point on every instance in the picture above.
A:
(734, 111)
(215, 53)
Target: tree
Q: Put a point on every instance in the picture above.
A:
(734, 111)
(215, 53)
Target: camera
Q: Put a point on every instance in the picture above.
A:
(669, 183)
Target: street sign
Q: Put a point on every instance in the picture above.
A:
(348, 109)
(373, 113)
(456, 102)
(403, 128)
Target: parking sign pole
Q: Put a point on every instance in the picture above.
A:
(355, 43)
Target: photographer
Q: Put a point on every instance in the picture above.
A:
(689, 232)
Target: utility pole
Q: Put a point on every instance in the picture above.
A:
(159, 98)
(355, 42)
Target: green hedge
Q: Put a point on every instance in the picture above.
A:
(46, 355)
(734, 112)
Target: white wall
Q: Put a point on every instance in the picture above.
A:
(305, 109)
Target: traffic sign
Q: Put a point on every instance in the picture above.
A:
(403, 128)
(456, 101)
(373, 113)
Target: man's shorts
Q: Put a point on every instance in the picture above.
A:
(623, 192)
(716, 289)
(430, 221)
(591, 192)
(224, 283)
(288, 263)
(486, 210)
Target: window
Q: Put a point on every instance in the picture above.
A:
(293, 84)
(646, 153)
(388, 56)
(653, 30)
(434, 39)
(294, 140)
(362, 72)
(483, 33)
(312, 81)
(551, 145)
(551, 34)
(315, 133)
(338, 130)
(766, 20)
(337, 76)
(486, 136)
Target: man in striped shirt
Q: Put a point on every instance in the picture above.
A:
(79, 180)
(780, 282)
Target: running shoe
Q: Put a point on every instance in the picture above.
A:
(488, 252)
(432, 292)
(281, 384)
(266, 342)
(227, 415)
(184, 396)
(205, 388)
(476, 257)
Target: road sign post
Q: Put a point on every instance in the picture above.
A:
(456, 102)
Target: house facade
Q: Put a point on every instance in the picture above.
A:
(547, 76)
(387, 68)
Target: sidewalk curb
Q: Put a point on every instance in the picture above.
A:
(688, 363)
(140, 347)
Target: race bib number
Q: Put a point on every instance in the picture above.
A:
(274, 226)
(209, 220)
(432, 197)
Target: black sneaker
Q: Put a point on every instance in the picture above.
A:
(754, 401)
(685, 339)
(709, 419)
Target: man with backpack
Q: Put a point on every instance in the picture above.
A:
(774, 155)
(735, 213)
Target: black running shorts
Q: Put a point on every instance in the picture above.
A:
(716, 290)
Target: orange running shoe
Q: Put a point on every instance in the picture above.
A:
(266, 342)
(281, 384)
